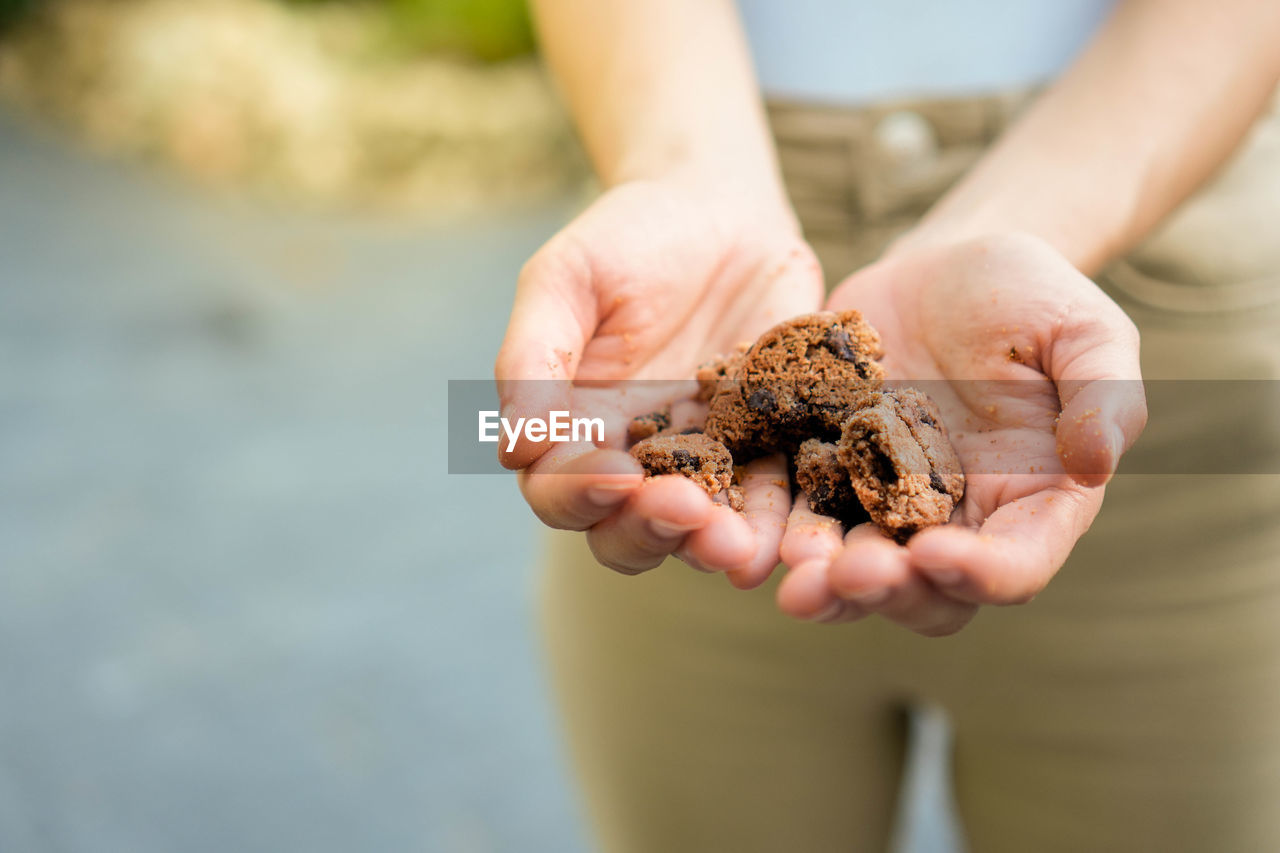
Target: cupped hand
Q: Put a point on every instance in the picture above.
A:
(649, 282)
(1036, 373)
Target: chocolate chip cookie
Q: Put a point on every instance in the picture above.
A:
(704, 460)
(798, 380)
(901, 463)
(826, 484)
(722, 369)
(643, 426)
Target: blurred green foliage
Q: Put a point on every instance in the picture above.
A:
(490, 30)
(486, 29)
(12, 10)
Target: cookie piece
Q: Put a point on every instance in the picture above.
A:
(901, 463)
(826, 484)
(799, 380)
(922, 417)
(713, 374)
(643, 426)
(705, 461)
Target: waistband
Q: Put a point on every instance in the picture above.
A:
(860, 176)
(847, 167)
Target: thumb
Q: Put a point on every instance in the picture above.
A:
(552, 318)
(1094, 363)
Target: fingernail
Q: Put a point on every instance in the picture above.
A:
(691, 561)
(831, 611)
(944, 577)
(608, 494)
(669, 529)
(871, 597)
(1117, 446)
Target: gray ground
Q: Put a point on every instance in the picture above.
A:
(242, 607)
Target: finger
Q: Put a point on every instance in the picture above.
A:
(1098, 425)
(808, 545)
(809, 537)
(805, 593)
(920, 607)
(869, 568)
(651, 525)
(725, 543)
(573, 486)
(552, 318)
(1015, 553)
(1094, 362)
(768, 502)
(688, 414)
(875, 573)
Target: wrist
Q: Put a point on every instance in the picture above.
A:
(747, 183)
(1081, 240)
(736, 194)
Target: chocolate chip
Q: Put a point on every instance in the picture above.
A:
(685, 459)
(882, 467)
(925, 417)
(762, 400)
(935, 482)
(643, 426)
(837, 340)
(839, 344)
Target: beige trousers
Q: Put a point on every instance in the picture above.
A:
(1135, 705)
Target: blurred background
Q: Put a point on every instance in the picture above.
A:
(243, 244)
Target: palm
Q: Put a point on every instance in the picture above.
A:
(648, 283)
(1017, 349)
(971, 331)
(669, 283)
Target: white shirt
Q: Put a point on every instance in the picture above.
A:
(857, 51)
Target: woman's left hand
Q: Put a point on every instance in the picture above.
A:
(1036, 373)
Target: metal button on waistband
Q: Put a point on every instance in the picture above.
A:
(905, 138)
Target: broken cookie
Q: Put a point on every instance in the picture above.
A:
(798, 380)
(826, 484)
(643, 426)
(705, 461)
(901, 463)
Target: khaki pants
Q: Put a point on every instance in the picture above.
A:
(1135, 705)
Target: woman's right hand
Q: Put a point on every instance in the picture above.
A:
(653, 279)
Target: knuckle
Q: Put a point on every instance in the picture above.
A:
(561, 258)
(504, 362)
(553, 512)
(1016, 596)
(539, 263)
(1130, 327)
(550, 517)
